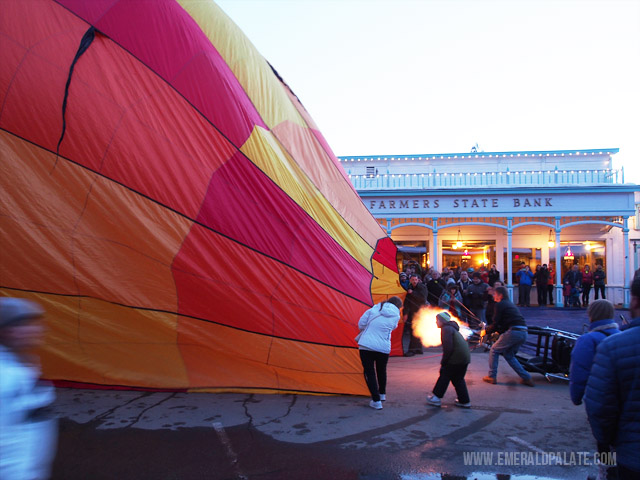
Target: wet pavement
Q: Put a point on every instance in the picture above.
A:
(511, 429)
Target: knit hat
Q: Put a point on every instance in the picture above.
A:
(14, 311)
(600, 310)
(443, 317)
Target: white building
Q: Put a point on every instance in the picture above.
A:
(505, 208)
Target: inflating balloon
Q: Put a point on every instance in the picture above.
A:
(171, 204)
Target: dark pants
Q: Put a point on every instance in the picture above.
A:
(524, 294)
(542, 294)
(595, 290)
(550, 289)
(586, 289)
(454, 374)
(375, 372)
(410, 343)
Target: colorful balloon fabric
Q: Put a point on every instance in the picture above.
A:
(170, 203)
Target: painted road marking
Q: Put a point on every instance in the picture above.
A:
(224, 438)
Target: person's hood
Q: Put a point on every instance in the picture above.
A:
(14, 311)
(452, 324)
(389, 310)
(600, 325)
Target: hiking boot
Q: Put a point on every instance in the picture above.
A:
(435, 401)
(489, 379)
(376, 405)
(383, 397)
(528, 382)
(462, 405)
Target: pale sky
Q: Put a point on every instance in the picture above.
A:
(402, 77)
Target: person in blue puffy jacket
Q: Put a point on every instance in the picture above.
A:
(612, 396)
(601, 313)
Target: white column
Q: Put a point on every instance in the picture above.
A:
(435, 255)
(559, 297)
(509, 257)
(627, 263)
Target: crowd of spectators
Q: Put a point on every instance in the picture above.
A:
(474, 295)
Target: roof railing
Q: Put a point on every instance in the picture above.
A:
(499, 179)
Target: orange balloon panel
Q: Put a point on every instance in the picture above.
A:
(100, 343)
(271, 362)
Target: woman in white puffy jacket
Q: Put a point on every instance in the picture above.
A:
(374, 341)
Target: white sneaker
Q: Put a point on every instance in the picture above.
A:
(433, 400)
(383, 397)
(376, 405)
(462, 405)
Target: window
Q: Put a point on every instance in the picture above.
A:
(588, 252)
(412, 255)
(473, 254)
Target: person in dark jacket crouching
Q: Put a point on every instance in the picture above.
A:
(454, 363)
(510, 324)
(612, 396)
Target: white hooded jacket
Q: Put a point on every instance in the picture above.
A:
(377, 323)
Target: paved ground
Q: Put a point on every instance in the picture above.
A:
(522, 431)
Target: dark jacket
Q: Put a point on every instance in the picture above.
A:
(574, 279)
(506, 316)
(598, 277)
(477, 295)
(612, 397)
(455, 350)
(436, 287)
(542, 277)
(583, 353)
(416, 299)
(494, 276)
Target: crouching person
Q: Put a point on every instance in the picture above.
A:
(454, 363)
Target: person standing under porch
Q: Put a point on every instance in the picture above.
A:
(551, 285)
(525, 280)
(598, 282)
(542, 280)
(587, 281)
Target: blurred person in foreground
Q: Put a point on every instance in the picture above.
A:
(374, 342)
(601, 313)
(510, 324)
(453, 366)
(28, 430)
(612, 396)
(602, 325)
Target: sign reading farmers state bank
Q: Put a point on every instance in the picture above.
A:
(480, 205)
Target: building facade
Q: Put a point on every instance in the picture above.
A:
(468, 210)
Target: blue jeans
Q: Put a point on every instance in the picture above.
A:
(507, 345)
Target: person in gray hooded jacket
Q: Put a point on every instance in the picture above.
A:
(453, 366)
(374, 342)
